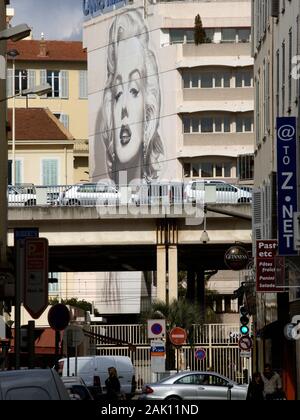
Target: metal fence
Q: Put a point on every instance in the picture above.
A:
(220, 341)
(152, 194)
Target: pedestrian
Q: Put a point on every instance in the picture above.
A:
(113, 386)
(256, 388)
(272, 384)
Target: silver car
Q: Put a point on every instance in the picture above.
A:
(196, 385)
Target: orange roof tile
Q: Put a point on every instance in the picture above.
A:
(37, 124)
(30, 50)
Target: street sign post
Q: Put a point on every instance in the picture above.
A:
(200, 354)
(158, 356)
(156, 328)
(35, 295)
(178, 336)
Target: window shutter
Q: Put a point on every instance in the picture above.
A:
(64, 84)
(64, 119)
(50, 172)
(9, 83)
(257, 217)
(83, 88)
(31, 81)
(18, 164)
(43, 80)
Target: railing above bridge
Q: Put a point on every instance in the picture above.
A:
(154, 194)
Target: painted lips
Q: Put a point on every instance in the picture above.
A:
(125, 135)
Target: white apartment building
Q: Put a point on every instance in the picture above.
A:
(276, 31)
(206, 115)
(196, 101)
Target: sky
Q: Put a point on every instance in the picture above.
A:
(57, 19)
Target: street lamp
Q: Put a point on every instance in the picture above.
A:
(204, 236)
(15, 33)
(13, 54)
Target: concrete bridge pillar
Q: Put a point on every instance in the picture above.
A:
(161, 273)
(167, 267)
(173, 273)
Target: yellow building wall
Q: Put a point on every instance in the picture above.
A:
(31, 156)
(76, 108)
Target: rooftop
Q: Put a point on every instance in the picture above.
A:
(37, 124)
(41, 50)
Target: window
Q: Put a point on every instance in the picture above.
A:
(206, 79)
(53, 283)
(205, 125)
(190, 380)
(19, 178)
(21, 81)
(244, 35)
(59, 82)
(83, 84)
(207, 169)
(244, 124)
(244, 78)
(50, 171)
(229, 35)
(245, 167)
(63, 118)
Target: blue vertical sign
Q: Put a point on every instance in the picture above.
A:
(286, 183)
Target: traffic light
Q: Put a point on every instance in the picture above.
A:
(244, 321)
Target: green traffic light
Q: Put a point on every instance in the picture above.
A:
(244, 329)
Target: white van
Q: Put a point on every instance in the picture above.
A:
(94, 371)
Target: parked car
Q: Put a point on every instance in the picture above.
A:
(21, 196)
(31, 195)
(94, 371)
(77, 388)
(159, 194)
(196, 385)
(225, 193)
(89, 194)
(32, 384)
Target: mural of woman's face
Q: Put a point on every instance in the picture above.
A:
(128, 102)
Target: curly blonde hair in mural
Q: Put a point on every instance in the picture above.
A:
(131, 25)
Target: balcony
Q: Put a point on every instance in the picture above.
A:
(218, 94)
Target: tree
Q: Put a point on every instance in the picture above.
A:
(81, 304)
(199, 31)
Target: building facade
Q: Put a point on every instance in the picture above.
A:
(204, 109)
(276, 30)
(63, 65)
(162, 107)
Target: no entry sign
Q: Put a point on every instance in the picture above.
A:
(178, 336)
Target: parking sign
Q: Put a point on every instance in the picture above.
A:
(36, 276)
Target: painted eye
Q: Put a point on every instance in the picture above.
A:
(117, 96)
(134, 92)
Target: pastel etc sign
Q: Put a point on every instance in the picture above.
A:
(97, 7)
(286, 183)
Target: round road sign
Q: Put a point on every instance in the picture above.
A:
(200, 354)
(245, 343)
(156, 329)
(59, 317)
(178, 336)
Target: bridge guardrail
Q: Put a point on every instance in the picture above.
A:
(154, 194)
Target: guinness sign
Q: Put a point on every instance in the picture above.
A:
(236, 258)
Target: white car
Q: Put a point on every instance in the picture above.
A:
(89, 195)
(18, 197)
(225, 193)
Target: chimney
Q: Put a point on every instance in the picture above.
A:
(43, 47)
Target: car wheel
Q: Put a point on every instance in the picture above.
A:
(73, 203)
(30, 203)
(173, 398)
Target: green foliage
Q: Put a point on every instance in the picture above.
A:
(76, 303)
(199, 31)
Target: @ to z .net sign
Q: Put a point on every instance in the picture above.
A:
(286, 184)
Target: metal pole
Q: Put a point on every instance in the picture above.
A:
(177, 355)
(20, 245)
(31, 344)
(75, 359)
(14, 126)
(57, 340)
